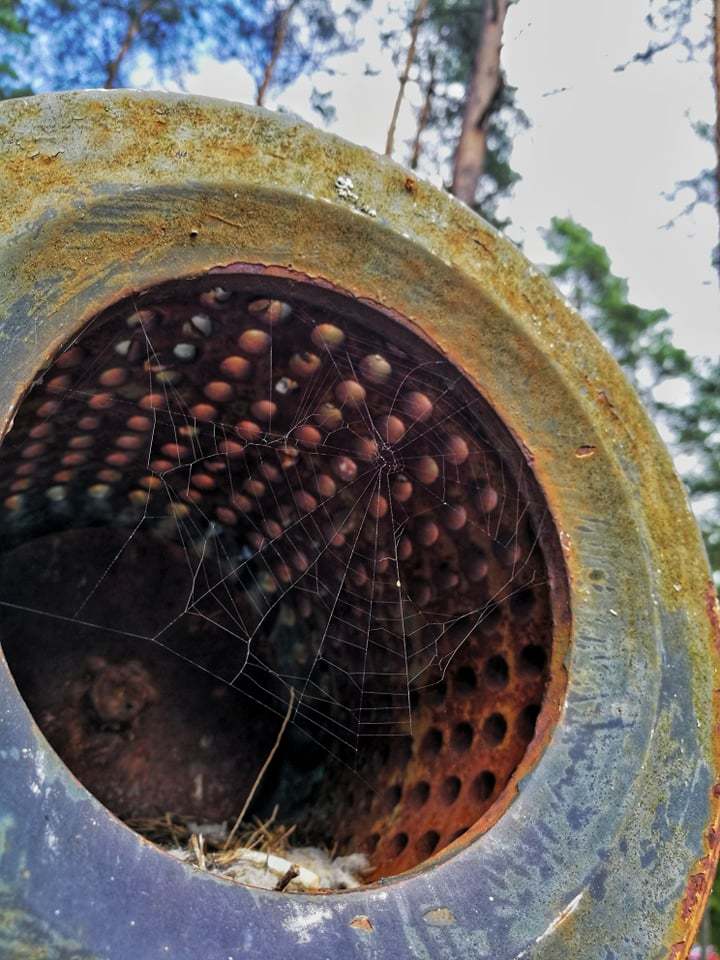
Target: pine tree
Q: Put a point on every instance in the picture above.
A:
(90, 43)
(419, 14)
(482, 89)
(278, 40)
(13, 38)
(641, 339)
(93, 43)
(447, 41)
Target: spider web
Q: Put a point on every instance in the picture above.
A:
(346, 549)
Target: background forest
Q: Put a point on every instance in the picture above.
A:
(443, 102)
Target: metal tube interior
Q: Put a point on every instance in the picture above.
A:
(239, 485)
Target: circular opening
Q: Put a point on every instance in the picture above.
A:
(533, 659)
(398, 844)
(494, 729)
(269, 557)
(419, 794)
(450, 790)
(497, 672)
(484, 785)
(427, 844)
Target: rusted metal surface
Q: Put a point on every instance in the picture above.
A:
(383, 517)
(608, 846)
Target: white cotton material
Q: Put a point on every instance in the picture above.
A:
(316, 870)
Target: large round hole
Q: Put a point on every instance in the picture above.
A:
(246, 516)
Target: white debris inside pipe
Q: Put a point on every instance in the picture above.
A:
(302, 869)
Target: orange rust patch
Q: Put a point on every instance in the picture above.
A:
(693, 892)
(713, 610)
(586, 450)
(698, 887)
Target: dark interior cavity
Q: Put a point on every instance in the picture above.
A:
(243, 485)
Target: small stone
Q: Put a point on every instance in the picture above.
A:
(270, 312)
(202, 323)
(185, 352)
(328, 336)
(375, 368)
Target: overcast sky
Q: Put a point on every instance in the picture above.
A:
(603, 145)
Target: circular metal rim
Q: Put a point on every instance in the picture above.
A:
(108, 193)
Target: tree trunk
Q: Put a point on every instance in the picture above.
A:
(113, 67)
(417, 19)
(279, 36)
(716, 74)
(425, 112)
(483, 84)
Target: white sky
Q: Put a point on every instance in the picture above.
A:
(602, 148)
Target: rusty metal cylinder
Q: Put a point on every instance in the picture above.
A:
(302, 460)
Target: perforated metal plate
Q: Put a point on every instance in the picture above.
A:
(264, 486)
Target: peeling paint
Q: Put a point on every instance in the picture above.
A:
(566, 912)
(304, 921)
